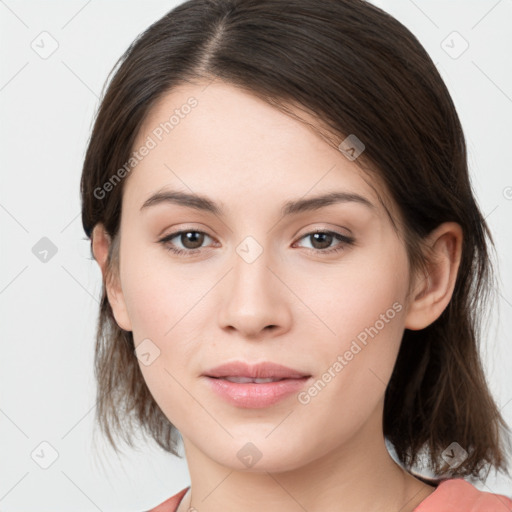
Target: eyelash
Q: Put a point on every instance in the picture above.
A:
(345, 240)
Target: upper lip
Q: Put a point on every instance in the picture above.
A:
(263, 370)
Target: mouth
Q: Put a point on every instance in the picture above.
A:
(255, 393)
(254, 386)
(249, 380)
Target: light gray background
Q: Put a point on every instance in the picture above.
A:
(49, 309)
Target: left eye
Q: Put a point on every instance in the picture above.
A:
(324, 239)
(192, 241)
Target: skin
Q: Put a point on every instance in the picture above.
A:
(214, 306)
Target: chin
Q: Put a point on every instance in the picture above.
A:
(259, 456)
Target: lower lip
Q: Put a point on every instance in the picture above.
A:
(253, 395)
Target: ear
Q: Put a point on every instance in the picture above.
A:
(101, 242)
(433, 292)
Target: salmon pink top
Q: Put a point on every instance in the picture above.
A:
(452, 495)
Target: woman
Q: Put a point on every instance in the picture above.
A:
(294, 263)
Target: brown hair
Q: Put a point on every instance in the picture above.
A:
(357, 70)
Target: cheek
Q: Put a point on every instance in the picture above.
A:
(164, 306)
(363, 294)
(362, 309)
(158, 294)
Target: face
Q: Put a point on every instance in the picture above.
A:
(254, 282)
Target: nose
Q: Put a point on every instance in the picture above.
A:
(254, 303)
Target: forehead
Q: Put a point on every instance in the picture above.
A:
(220, 138)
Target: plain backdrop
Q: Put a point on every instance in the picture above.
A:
(49, 308)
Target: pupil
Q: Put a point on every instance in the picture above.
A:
(326, 243)
(194, 237)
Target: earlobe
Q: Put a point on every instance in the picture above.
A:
(434, 291)
(101, 242)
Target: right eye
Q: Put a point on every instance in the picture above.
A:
(190, 239)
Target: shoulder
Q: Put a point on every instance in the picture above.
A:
(170, 504)
(458, 495)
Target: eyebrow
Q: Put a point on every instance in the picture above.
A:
(202, 203)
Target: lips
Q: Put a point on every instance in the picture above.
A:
(254, 386)
(241, 372)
